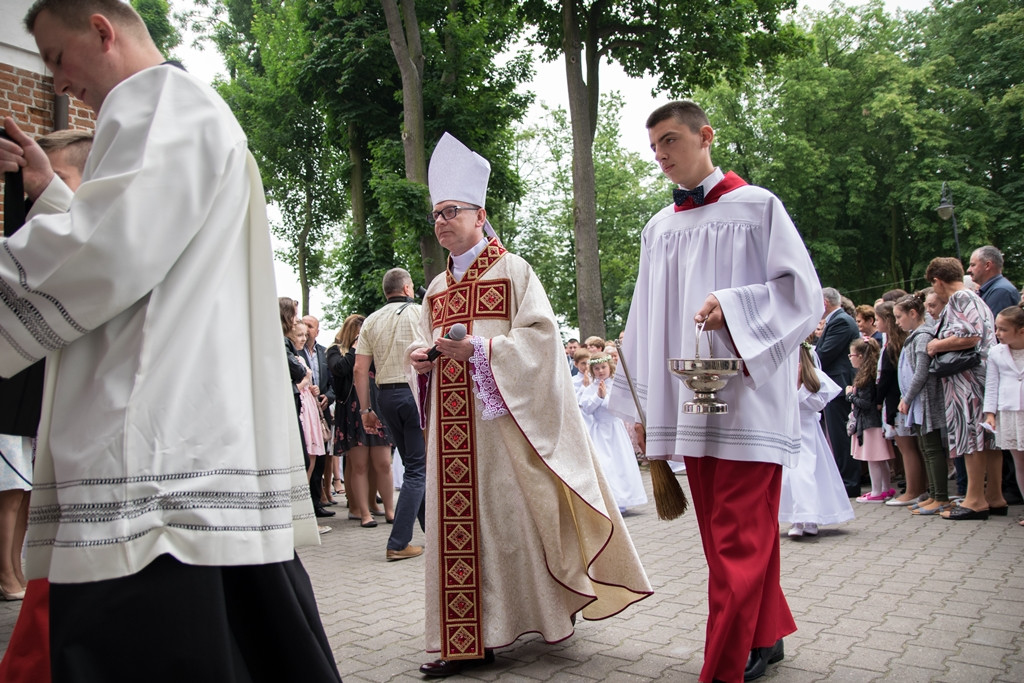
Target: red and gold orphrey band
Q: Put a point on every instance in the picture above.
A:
(459, 553)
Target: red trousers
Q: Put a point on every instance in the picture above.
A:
(28, 653)
(737, 507)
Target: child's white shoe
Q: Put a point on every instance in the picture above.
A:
(797, 530)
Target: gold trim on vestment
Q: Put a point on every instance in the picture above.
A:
(459, 546)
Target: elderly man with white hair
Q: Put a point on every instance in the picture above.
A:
(986, 267)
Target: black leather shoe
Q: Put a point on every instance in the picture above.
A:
(449, 667)
(760, 658)
(320, 511)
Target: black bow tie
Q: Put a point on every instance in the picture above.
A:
(680, 196)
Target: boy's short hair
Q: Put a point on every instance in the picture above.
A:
(686, 112)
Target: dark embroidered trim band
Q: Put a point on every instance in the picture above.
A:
(256, 528)
(23, 280)
(176, 476)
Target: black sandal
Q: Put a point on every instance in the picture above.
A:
(961, 513)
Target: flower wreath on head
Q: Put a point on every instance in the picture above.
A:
(600, 359)
(807, 345)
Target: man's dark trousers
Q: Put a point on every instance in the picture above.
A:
(398, 411)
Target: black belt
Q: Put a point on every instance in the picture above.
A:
(396, 385)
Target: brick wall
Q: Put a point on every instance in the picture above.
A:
(28, 98)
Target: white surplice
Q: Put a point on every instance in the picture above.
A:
(152, 439)
(746, 251)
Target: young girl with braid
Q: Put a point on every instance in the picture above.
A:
(812, 491)
(921, 399)
(889, 398)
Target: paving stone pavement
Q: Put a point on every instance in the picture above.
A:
(886, 597)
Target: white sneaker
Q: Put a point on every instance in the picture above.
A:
(797, 530)
(810, 529)
(323, 529)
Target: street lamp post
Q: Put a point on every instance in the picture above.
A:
(945, 211)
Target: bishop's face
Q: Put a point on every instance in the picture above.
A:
(683, 155)
(462, 232)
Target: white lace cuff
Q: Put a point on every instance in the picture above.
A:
(483, 381)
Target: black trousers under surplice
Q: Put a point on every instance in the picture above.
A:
(182, 623)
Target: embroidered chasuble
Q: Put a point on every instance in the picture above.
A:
(522, 528)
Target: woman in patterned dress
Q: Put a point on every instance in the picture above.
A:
(365, 453)
(966, 322)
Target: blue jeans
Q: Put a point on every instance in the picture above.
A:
(398, 410)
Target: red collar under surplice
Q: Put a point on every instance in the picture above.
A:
(730, 182)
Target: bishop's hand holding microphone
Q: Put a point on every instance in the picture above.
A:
(457, 333)
(454, 345)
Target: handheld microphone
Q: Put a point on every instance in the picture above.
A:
(457, 332)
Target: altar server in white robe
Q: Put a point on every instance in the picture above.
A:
(726, 254)
(170, 489)
(522, 527)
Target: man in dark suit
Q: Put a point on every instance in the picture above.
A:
(833, 349)
(316, 358)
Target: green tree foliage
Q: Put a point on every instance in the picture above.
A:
(303, 170)
(857, 137)
(977, 49)
(353, 70)
(629, 190)
(157, 17)
(683, 43)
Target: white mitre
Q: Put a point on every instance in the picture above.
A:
(459, 174)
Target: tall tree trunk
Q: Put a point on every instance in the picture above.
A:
(303, 249)
(583, 115)
(404, 34)
(355, 181)
(894, 256)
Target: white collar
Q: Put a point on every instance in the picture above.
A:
(709, 182)
(463, 261)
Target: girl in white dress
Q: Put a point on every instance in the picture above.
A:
(614, 451)
(812, 491)
(1004, 389)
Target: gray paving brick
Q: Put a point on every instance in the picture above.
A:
(959, 672)
(885, 597)
(846, 674)
(924, 657)
(902, 673)
(981, 655)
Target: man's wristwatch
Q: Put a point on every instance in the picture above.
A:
(364, 412)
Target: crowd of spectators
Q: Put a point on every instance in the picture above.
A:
(961, 423)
